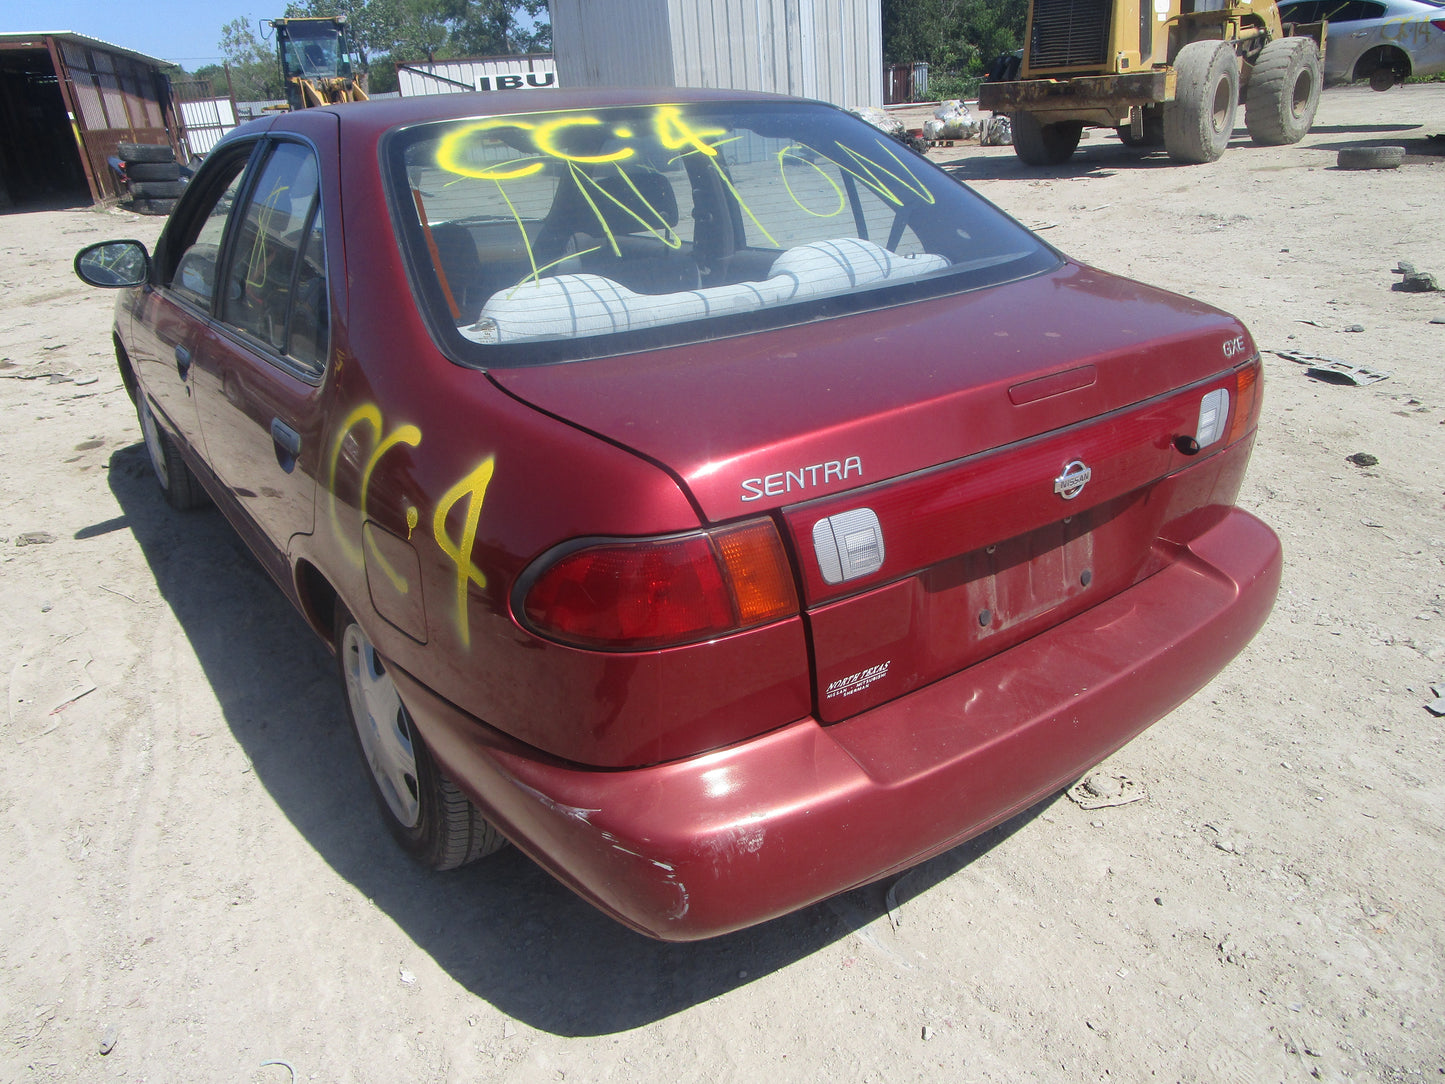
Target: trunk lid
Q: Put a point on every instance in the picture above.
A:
(921, 460)
(757, 422)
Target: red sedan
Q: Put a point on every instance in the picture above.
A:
(700, 490)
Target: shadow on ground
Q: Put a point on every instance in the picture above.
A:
(502, 927)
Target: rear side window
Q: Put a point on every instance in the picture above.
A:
(555, 236)
(1350, 11)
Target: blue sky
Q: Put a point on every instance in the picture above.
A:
(183, 31)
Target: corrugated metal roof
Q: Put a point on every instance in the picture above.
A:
(38, 38)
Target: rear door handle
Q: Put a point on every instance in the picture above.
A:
(183, 361)
(288, 444)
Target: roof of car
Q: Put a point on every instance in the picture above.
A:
(377, 116)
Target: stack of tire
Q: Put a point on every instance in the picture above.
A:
(153, 177)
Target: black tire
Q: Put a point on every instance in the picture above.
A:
(153, 171)
(157, 189)
(1045, 144)
(145, 152)
(178, 485)
(427, 813)
(1283, 92)
(1153, 133)
(1370, 157)
(1200, 119)
(152, 206)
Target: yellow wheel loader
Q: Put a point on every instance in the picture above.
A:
(1165, 72)
(316, 62)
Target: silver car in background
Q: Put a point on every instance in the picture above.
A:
(1382, 41)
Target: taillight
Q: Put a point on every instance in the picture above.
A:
(640, 594)
(1246, 400)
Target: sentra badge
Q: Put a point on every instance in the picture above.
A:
(788, 481)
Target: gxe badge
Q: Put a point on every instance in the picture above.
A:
(1072, 482)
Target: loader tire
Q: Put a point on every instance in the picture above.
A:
(1283, 92)
(1045, 144)
(1200, 119)
(146, 152)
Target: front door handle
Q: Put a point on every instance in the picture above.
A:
(183, 361)
(288, 444)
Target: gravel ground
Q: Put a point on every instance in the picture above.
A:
(200, 886)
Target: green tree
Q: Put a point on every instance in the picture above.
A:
(958, 36)
(255, 69)
(499, 27)
(399, 31)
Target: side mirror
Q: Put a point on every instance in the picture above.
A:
(113, 263)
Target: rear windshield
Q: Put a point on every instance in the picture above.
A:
(546, 237)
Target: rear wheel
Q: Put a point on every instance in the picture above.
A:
(1384, 67)
(177, 483)
(1200, 119)
(1283, 92)
(429, 816)
(1045, 144)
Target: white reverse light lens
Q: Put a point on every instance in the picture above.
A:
(1213, 413)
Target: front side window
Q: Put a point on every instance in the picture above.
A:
(275, 289)
(555, 236)
(194, 274)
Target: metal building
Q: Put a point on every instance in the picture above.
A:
(535, 71)
(827, 49)
(66, 102)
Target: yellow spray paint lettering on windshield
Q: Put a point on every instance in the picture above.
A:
(605, 159)
(547, 133)
(873, 173)
(675, 133)
(794, 153)
(453, 146)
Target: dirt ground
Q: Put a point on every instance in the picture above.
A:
(198, 881)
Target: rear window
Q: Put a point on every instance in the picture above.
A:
(554, 236)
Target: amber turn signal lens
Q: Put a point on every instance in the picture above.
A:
(1246, 400)
(757, 570)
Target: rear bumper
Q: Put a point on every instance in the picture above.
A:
(703, 846)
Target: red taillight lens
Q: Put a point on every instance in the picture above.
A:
(1246, 401)
(630, 595)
